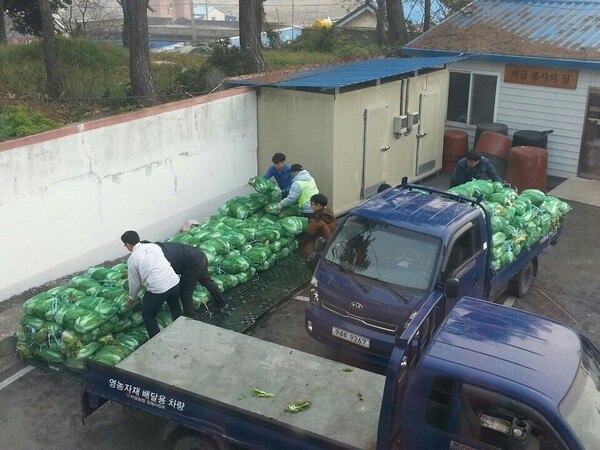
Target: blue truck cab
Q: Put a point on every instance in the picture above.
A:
(491, 377)
(394, 252)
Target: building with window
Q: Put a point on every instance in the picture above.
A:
(532, 65)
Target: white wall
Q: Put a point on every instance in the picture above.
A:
(70, 193)
(539, 108)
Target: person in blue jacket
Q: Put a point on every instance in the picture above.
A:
(473, 167)
(281, 172)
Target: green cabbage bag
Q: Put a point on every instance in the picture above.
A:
(235, 239)
(52, 355)
(498, 239)
(97, 273)
(85, 283)
(294, 225)
(535, 195)
(268, 233)
(484, 187)
(220, 246)
(111, 354)
(234, 264)
(106, 308)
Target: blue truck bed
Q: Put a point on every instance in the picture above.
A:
(203, 376)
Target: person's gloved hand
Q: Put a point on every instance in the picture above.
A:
(279, 207)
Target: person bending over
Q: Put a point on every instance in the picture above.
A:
(148, 267)
(473, 167)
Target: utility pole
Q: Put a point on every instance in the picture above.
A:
(193, 21)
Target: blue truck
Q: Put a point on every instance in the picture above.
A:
(393, 253)
(484, 376)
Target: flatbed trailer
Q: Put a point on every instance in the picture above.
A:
(203, 376)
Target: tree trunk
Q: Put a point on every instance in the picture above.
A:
(142, 83)
(427, 16)
(3, 40)
(125, 34)
(55, 80)
(251, 13)
(396, 22)
(381, 31)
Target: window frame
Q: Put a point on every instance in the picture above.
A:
(471, 74)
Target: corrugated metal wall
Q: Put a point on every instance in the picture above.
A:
(527, 107)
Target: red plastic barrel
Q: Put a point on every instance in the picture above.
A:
(495, 146)
(501, 128)
(456, 144)
(527, 168)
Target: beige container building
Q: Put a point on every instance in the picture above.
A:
(355, 126)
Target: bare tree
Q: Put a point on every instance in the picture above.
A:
(381, 30)
(55, 80)
(251, 14)
(426, 15)
(126, 22)
(142, 83)
(396, 21)
(3, 40)
(88, 18)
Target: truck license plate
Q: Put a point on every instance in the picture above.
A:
(351, 337)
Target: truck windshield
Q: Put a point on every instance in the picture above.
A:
(581, 405)
(385, 253)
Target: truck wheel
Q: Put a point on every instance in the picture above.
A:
(186, 439)
(523, 281)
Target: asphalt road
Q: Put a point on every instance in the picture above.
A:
(40, 409)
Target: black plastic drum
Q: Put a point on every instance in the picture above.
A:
(489, 126)
(531, 138)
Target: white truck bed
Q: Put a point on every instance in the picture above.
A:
(225, 366)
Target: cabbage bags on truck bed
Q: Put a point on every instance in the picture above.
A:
(518, 220)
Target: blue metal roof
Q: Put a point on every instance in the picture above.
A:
(341, 75)
(500, 29)
(534, 353)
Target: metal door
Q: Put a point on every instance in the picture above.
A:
(589, 157)
(375, 146)
(429, 145)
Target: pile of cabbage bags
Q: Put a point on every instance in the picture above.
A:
(519, 220)
(90, 316)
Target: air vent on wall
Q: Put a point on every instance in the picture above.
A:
(426, 167)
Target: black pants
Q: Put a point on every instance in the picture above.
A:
(198, 273)
(151, 307)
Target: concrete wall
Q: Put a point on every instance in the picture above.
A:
(69, 194)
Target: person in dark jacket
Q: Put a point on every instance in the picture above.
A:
(320, 224)
(473, 167)
(192, 264)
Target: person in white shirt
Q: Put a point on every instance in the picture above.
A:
(148, 267)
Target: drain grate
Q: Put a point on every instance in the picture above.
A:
(252, 301)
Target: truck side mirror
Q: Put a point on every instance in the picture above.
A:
(452, 288)
(320, 244)
(312, 260)
(314, 257)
